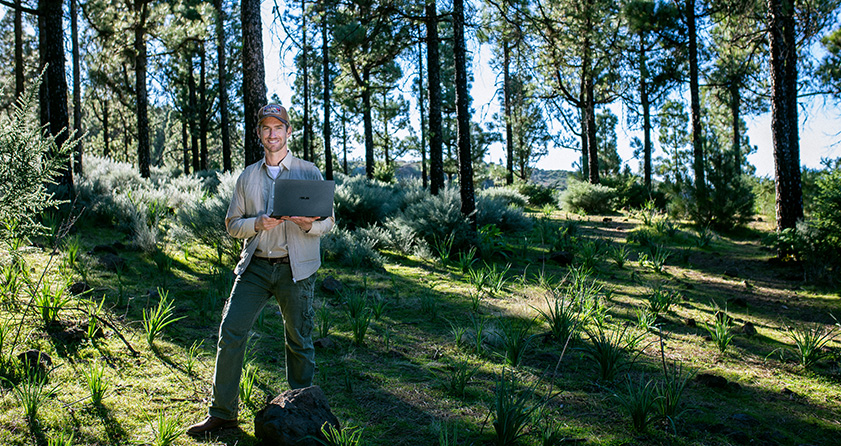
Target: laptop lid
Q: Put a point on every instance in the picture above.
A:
(303, 198)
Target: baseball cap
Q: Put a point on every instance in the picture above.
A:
(274, 111)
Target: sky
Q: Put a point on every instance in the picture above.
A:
(820, 118)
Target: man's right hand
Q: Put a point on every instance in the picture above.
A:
(264, 223)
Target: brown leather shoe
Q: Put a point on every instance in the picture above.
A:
(210, 424)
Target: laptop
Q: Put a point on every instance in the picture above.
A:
(303, 198)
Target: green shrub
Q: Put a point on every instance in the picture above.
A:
(434, 217)
(583, 197)
(507, 195)
(29, 162)
(361, 202)
(538, 195)
(351, 248)
(499, 211)
(204, 219)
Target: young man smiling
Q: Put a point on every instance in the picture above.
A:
(279, 259)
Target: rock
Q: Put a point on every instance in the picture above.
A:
(331, 285)
(690, 322)
(748, 329)
(293, 416)
(738, 302)
(607, 219)
(35, 360)
(710, 380)
(112, 262)
(324, 343)
(79, 288)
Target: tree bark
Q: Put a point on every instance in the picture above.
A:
(506, 92)
(77, 86)
(468, 205)
(789, 198)
(253, 77)
(202, 108)
(424, 173)
(54, 96)
(192, 114)
(433, 64)
(19, 71)
(143, 151)
(368, 125)
(592, 145)
(735, 114)
(646, 113)
(221, 44)
(185, 144)
(325, 68)
(695, 100)
(106, 137)
(305, 74)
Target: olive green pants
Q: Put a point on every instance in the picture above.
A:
(251, 292)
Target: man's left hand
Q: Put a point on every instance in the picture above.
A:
(305, 223)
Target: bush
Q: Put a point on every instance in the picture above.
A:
(204, 219)
(506, 195)
(497, 210)
(362, 202)
(29, 161)
(351, 248)
(539, 196)
(631, 193)
(583, 197)
(434, 217)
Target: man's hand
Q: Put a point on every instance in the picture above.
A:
(305, 223)
(264, 222)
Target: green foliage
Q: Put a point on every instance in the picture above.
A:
(351, 248)
(608, 350)
(30, 161)
(346, 436)
(460, 375)
(639, 400)
(502, 211)
(97, 383)
(516, 340)
(670, 392)
(204, 219)
(166, 430)
(538, 196)
(563, 314)
(246, 384)
(507, 195)
(720, 331)
(583, 197)
(61, 439)
(660, 298)
(811, 343)
(513, 409)
(50, 301)
(32, 393)
(155, 320)
(361, 202)
(619, 255)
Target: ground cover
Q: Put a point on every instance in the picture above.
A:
(446, 341)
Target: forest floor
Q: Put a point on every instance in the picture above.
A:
(399, 384)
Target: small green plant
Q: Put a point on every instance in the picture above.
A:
(246, 383)
(346, 436)
(703, 236)
(359, 325)
(479, 325)
(164, 263)
(646, 319)
(562, 315)
(31, 393)
(445, 438)
(516, 340)
(656, 258)
(428, 305)
(443, 247)
(589, 254)
(811, 343)
(619, 255)
(166, 430)
(50, 301)
(10, 283)
(458, 332)
(94, 310)
(62, 439)
(639, 399)
(323, 321)
(72, 250)
(608, 350)
(355, 303)
(660, 299)
(512, 410)
(378, 306)
(669, 393)
(720, 331)
(466, 259)
(460, 375)
(97, 383)
(193, 355)
(496, 278)
(155, 320)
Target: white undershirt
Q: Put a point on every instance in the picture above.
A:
(273, 171)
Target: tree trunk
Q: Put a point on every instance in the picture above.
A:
(735, 114)
(506, 92)
(201, 116)
(77, 86)
(582, 100)
(468, 205)
(54, 97)
(305, 74)
(325, 68)
(646, 113)
(106, 137)
(143, 152)
(368, 125)
(221, 44)
(695, 99)
(424, 173)
(192, 115)
(592, 145)
(789, 201)
(253, 77)
(433, 66)
(19, 69)
(185, 144)
(344, 143)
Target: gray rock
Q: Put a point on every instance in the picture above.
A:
(112, 262)
(748, 329)
(294, 416)
(331, 285)
(35, 360)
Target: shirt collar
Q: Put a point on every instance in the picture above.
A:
(285, 162)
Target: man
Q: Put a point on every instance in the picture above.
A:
(279, 258)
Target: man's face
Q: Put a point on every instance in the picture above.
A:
(273, 134)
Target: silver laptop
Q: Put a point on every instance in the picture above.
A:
(303, 198)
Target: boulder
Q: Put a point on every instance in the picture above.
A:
(293, 418)
(112, 262)
(749, 329)
(35, 360)
(331, 285)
